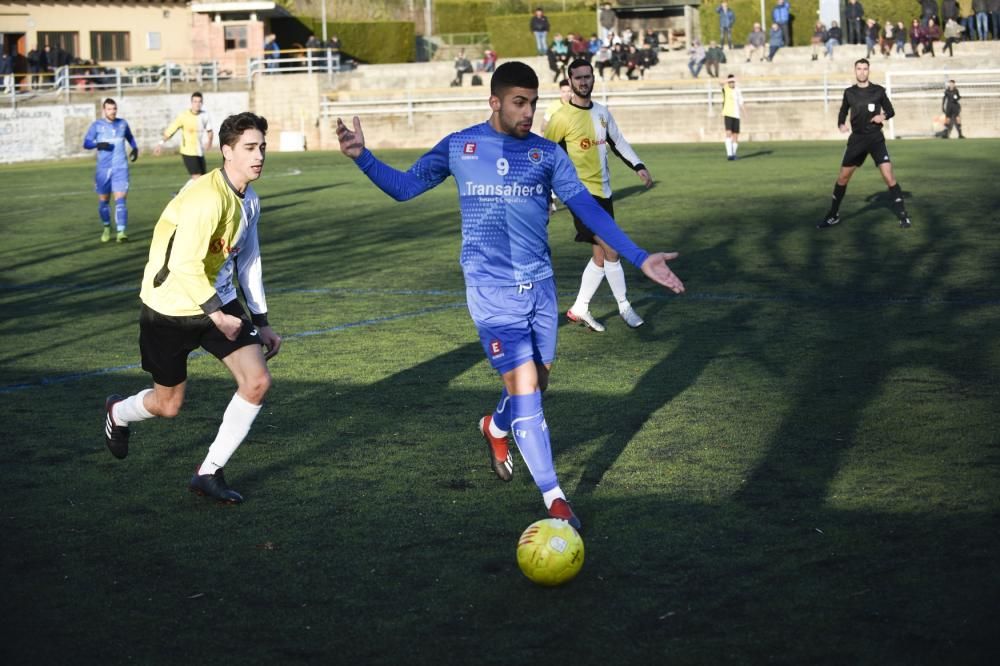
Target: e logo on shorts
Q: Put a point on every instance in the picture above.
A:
(495, 348)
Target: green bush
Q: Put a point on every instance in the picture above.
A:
(372, 42)
(511, 37)
(457, 16)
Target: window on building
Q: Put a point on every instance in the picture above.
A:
(110, 46)
(153, 41)
(235, 36)
(67, 41)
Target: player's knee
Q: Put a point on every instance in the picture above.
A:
(255, 387)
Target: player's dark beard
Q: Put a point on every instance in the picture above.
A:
(579, 94)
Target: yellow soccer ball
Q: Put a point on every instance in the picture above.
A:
(550, 552)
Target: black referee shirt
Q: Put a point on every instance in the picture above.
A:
(863, 104)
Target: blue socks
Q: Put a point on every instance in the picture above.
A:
(501, 417)
(532, 437)
(104, 210)
(121, 214)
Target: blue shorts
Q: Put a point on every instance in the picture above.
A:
(516, 324)
(111, 180)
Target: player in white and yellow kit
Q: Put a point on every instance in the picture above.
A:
(206, 236)
(732, 109)
(196, 136)
(586, 130)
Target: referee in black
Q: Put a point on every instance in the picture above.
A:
(869, 108)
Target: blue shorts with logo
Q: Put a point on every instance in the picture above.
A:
(111, 180)
(516, 324)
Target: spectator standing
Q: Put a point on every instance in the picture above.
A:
(775, 40)
(952, 111)
(949, 10)
(994, 6)
(696, 58)
(834, 37)
(34, 77)
(928, 10)
(607, 18)
(713, 56)
(540, 29)
(854, 14)
(952, 35)
(968, 18)
(819, 38)
(726, 20)
(782, 15)
(7, 72)
(271, 51)
(982, 8)
(755, 43)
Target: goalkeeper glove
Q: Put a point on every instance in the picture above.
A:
(134, 155)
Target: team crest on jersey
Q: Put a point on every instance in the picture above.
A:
(871, 108)
(496, 349)
(470, 148)
(535, 155)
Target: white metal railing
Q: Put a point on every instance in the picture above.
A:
(312, 61)
(680, 93)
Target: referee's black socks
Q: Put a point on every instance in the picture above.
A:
(897, 201)
(838, 195)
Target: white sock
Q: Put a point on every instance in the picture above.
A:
(131, 409)
(236, 423)
(729, 147)
(550, 496)
(591, 279)
(735, 146)
(495, 431)
(616, 280)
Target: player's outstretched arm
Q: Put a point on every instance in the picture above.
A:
(352, 143)
(656, 269)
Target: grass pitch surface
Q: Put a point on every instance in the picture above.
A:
(795, 462)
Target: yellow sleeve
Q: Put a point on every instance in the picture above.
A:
(555, 131)
(197, 219)
(173, 127)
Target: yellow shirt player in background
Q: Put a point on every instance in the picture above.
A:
(206, 237)
(196, 136)
(586, 130)
(732, 109)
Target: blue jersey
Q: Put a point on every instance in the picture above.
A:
(114, 132)
(503, 192)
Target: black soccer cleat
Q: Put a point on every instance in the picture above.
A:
(214, 486)
(829, 222)
(904, 223)
(115, 436)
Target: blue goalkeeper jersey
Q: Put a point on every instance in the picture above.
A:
(116, 133)
(503, 192)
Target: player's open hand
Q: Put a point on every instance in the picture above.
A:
(352, 143)
(644, 176)
(270, 340)
(656, 269)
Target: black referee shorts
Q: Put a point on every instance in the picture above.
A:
(195, 164)
(165, 341)
(860, 148)
(583, 232)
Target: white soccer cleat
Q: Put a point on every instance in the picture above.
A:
(631, 317)
(585, 319)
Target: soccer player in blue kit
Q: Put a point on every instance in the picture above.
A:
(504, 174)
(108, 135)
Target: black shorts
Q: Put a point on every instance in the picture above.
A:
(583, 232)
(732, 124)
(165, 341)
(860, 148)
(195, 164)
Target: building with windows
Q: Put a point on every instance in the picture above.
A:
(137, 32)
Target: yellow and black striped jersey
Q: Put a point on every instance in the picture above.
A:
(205, 235)
(586, 134)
